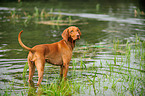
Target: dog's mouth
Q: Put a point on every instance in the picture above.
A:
(76, 38)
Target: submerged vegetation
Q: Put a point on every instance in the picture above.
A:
(122, 77)
(40, 15)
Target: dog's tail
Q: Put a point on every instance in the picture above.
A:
(21, 43)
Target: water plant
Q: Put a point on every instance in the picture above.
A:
(36, 14)
(70, 20)
(27, 20)
(25, 70)
(42, 14)
(57, 88)
(138, 12)
(39, 15)
(97, 7)
(13, 13)
(82, 64)
(58, 19)
(101, 64)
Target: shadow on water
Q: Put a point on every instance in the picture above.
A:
(105, 61)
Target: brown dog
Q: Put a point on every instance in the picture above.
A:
(58, 53)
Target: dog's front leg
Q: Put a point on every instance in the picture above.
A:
(61, 71)
(65, 70)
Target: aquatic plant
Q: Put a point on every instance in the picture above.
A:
(14, 16)
(27, 20)
(138, 12)
(42, 14)
(57, 88)
(13, 13)
(97, 7)
(70, 20)
(25, 70)
(36, 14)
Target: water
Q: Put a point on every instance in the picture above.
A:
(99, 27)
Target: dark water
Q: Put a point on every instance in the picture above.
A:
(99, 21)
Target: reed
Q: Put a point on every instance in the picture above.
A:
(62, 88)
(115, 60)
(97, 7)
(27, 20)
(36, 14)
(82, 65)
(74, 68)
(25, 70)
(93, 82)
(6, 92)
(101, 64)
(13, 13)
(42, 14)
(70, 20)
(59, 18)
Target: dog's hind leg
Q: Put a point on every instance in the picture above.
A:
(31, 70)
(40, 63)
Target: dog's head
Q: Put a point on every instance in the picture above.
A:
(71, 32)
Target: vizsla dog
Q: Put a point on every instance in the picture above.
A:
(58, 53)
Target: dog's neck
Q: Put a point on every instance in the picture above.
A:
(70, 43)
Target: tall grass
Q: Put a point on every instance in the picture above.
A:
(25, 70)
(57, 88)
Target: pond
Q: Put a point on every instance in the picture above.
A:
(107, 60)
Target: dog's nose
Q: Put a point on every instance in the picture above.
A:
(78, 36)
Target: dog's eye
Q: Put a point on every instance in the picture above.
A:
(71, 31)
(77, 30)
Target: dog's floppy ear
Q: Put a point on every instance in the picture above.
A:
(65, 34)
